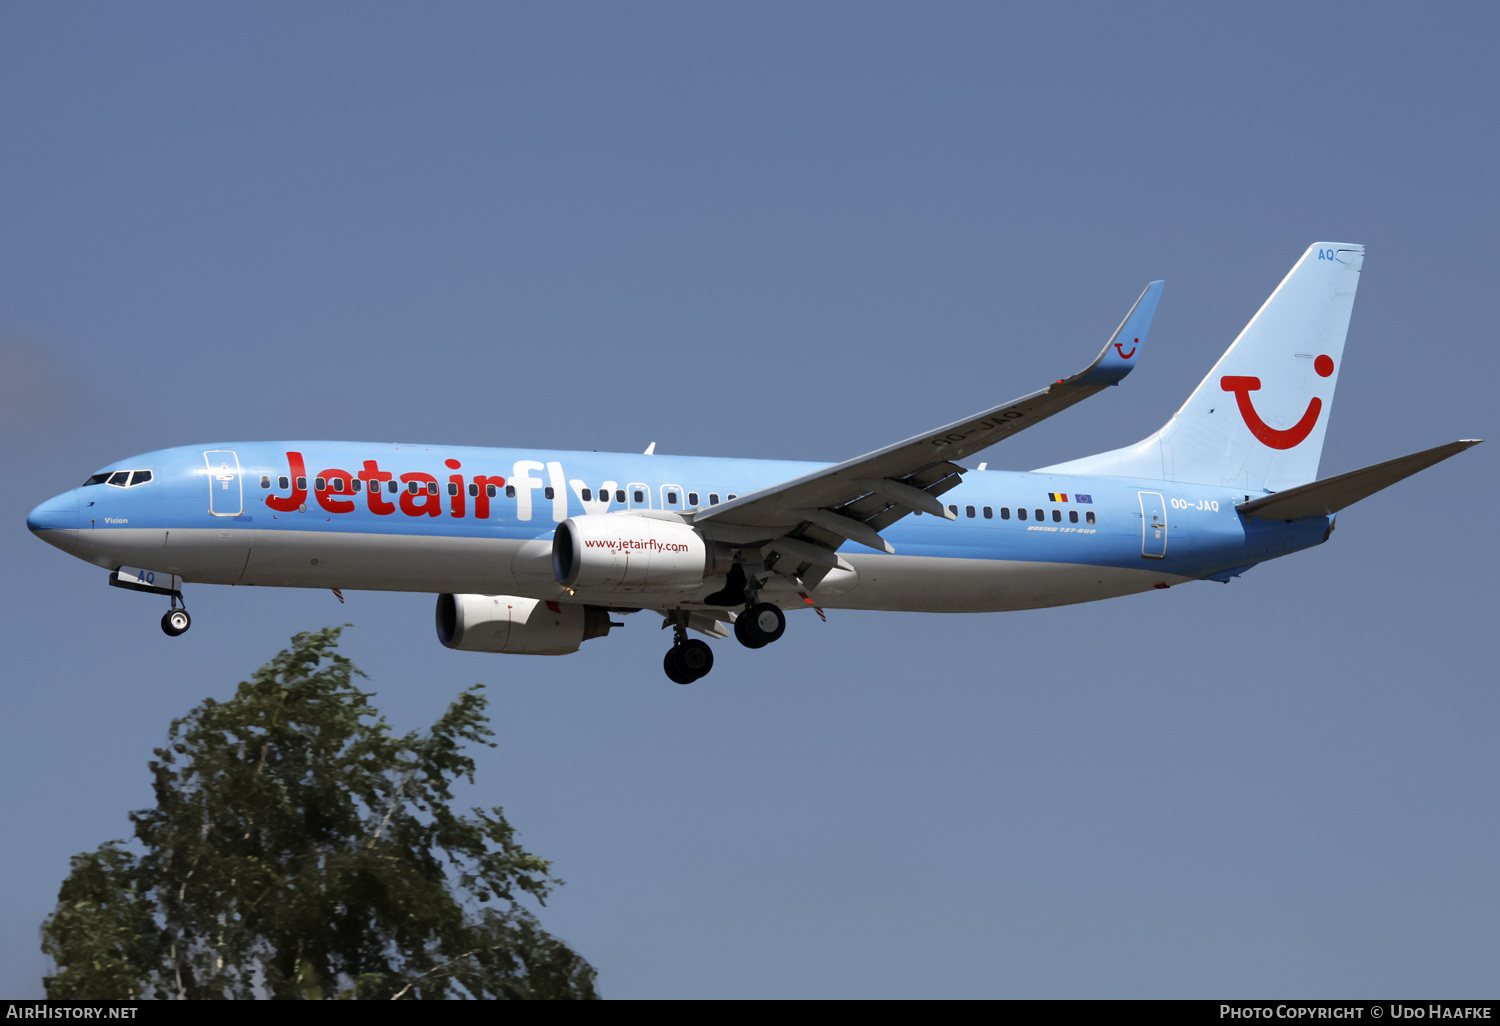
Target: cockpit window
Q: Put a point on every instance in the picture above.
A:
(120, 478)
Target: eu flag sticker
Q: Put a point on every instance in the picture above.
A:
(1083, 498)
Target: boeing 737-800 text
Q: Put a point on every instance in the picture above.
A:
(531, 551)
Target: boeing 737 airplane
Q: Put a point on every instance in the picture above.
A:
(531, 551)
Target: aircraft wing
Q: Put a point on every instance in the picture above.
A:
(858, 498)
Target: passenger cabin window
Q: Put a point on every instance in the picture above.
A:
(1057, 516)
(1021, 513)
(732, 496)
(413, 487)
(119, 478)
(265, 480)
(1004, 512)
(953, 510)
(640, 496)
(301, 484)
(692, 498)
(510, 491)
(548, 492)
(587, 495)
(969, 510)
(338, 484)
(989, 514)
(671, 498)
(713, 498)
(319, 484)
(392, 486)
(355, 484)
(282, 482)
(1089, 516)
(452, 488)
(619, 495)
(490, 491)
(1041, 514)
(1072, 516)
(432, 488)
(474, 489)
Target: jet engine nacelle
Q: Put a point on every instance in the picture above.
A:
(521, 626)
(623, 553)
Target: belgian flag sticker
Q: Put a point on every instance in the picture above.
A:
(1057, 497)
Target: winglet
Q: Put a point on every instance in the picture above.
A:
(1122, 350)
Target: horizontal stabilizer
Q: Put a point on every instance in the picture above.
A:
(1327, 497)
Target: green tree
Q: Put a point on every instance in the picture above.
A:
(298, 849)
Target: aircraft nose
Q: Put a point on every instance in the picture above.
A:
(59, 513)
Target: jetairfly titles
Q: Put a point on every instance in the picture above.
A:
(532, 552)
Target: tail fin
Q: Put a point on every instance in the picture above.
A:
(1257, 421)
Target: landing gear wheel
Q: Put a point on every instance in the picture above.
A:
(760, 625)
(175, 622)
(676, 672)
(688, 661)
(696, 657)
(742, 633)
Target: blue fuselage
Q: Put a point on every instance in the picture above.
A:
(472, 520)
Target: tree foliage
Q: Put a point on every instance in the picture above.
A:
(299, 849)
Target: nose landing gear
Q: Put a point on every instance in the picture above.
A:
(176, 620)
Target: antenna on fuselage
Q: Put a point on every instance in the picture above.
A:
(651, 449)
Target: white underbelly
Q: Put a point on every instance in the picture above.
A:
(941, 584)
(490, 566)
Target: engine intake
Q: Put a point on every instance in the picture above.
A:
(521, 626)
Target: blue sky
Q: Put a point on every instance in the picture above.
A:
(800, 232)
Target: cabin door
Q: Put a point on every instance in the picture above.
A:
(226, 488)
(1153, 526)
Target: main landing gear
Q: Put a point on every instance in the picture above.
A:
(687, 660)
(760, 625)
(690, 659)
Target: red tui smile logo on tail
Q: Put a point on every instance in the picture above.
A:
(1292, 436)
